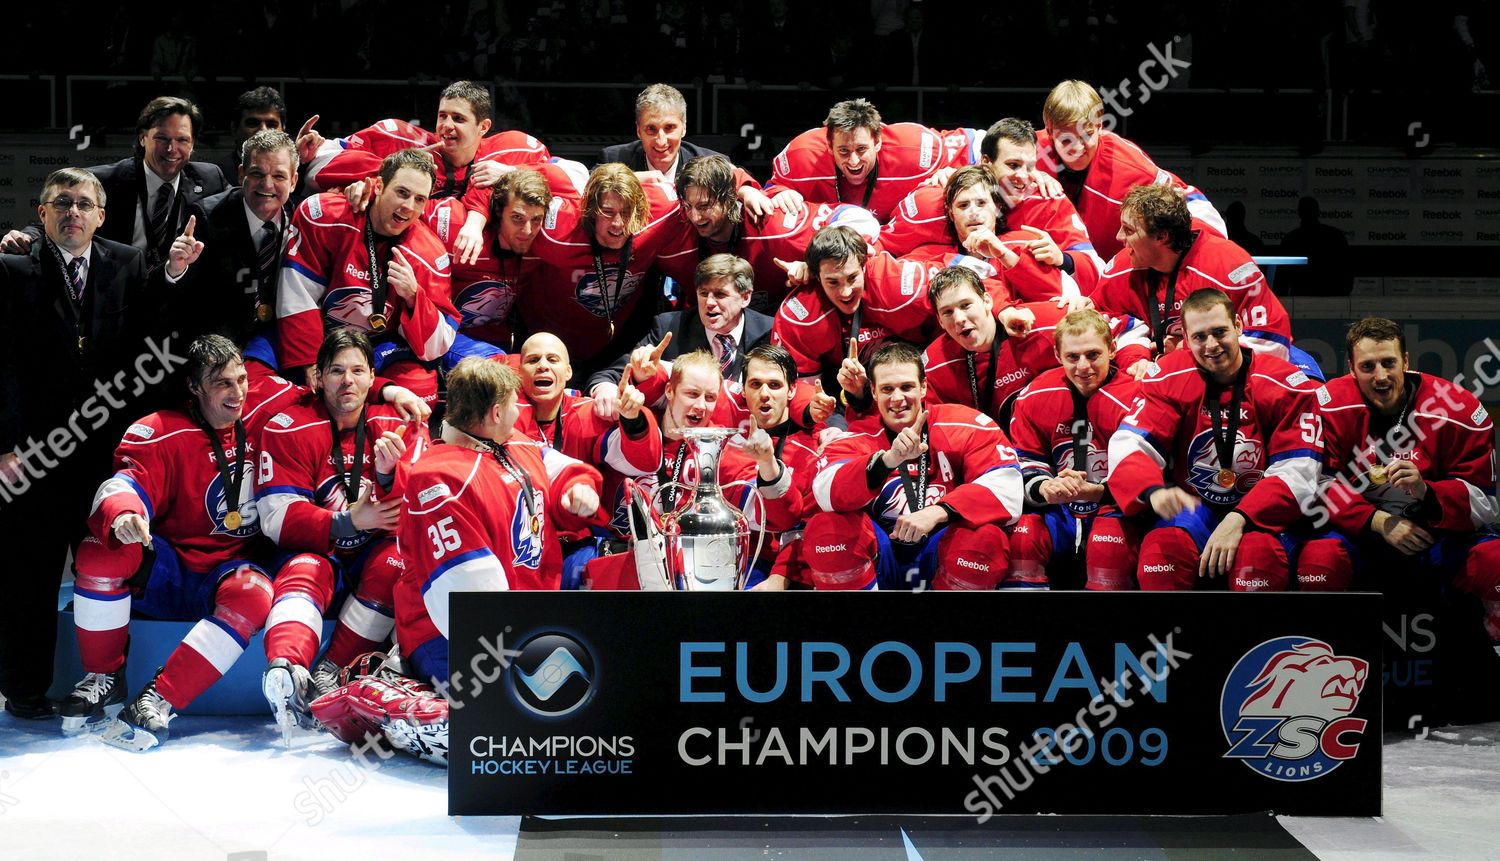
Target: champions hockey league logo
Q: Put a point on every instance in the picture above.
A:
(217, 506)
(1286, 708)
(485, 302)
(552, 675)
(1203, 468)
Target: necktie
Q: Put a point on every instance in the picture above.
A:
(265, 260)
(75, 278)
(726, 352)
(161, 208)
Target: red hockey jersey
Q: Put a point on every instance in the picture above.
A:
(909, 155)
(297, 489)
(166, 473)
(1278, 447)
(1041, 426)
(1212, 261)
(1117, 167)
(484, 292)
(325, 284)
(970, 466)
(1448, 436)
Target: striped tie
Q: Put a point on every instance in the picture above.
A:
(726, 353)
(265, 260)
(161, 209)
(75, 278)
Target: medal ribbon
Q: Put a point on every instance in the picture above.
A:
(988, 401)
(232, 478)
(1224, 443)
(663, 477)
(916, 489)
(350, 480)
(379, 286)
(519, 475)
(610, 307)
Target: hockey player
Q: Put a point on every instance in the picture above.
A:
(380, 271)
(855, 158)
(174, 535)
(595, 257)
(693, 390)
(480, 510)
(986, 354)
(914, 495)
(978, 237)
(1224, 450)
(1168, 256)
(466, 159)
(485, 290)
(770, 378)
(552, 416)
(1408, 477)
(336, 514)
(1009, 154)
(1098, 168)
(1061, 426)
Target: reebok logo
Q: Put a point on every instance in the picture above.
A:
(977, 566)
(1252, 582)
(1111, 539)
(1159, 569)
(831, 548)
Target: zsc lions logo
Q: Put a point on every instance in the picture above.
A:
(1203, 468)
(1098, 465)
(552, 675)
(350, 306)
(587, 291)
(485, 302)
(1287, 705)
(329, 496)
(526, 531)
(217, 506)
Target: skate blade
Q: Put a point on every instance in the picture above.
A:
(126, 737)
(88, 724)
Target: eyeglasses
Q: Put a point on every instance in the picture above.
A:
(61, 205)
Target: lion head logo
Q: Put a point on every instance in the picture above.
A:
(1308, 680)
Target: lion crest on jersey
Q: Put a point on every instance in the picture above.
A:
(891, 501)
(216, 504)
(1287, 705)
(1098, 467)
(1203, 467)
(329, 496)
(588, 294)
(485, 302)
(350, 306)
(526, 530)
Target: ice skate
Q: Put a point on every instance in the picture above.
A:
(143, 724)
(96, 699)
(287, 687)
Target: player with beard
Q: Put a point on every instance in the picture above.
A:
(1031, 203)
(179, 501)
(1408, 478)
(328, 491)
(1061, 427)
(915, 494)
(381, 272)
(752, 466)
(1097, 167)
(984, 358)
(629, 447)
(1225, 450)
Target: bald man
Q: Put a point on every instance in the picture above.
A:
(628, 447)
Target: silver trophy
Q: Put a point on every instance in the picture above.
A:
(701, 546)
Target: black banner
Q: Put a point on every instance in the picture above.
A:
(936, 703)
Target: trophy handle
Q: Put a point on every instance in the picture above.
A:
(760, 541)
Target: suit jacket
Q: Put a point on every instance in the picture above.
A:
(200, 179)
(688, 335)
(223, 291)
(633, 154)
(45, 376)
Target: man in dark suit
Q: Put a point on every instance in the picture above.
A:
(258, 110)
(660, 123)
(722, 324)
(152, 189)
(75, 315)
(233, 289)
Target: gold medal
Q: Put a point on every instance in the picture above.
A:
(232, 520)
(1377, 474)
(1226, 478)
(263, 312)
(377, 322)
